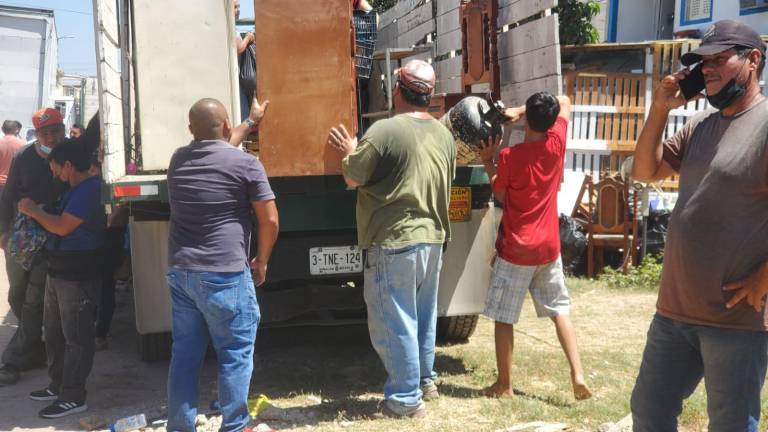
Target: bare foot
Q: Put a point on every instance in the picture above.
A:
(581, 390)
(497, 390)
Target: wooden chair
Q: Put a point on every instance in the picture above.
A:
(581, 208)
(610, 225)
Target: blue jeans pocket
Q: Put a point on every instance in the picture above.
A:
(371, 257)
(221, 298)
(399, 251)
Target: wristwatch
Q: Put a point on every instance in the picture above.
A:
(249, 121)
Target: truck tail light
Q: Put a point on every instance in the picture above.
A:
(135, 191)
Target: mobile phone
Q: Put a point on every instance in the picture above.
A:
(693, 84)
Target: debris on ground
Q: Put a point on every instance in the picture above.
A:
(256, 406)
(92, 423)
(263, 427)
(623, 425)
(272, 413)
(201, 420)
(538, 426)
(126, 424)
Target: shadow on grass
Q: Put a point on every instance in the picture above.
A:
(446, 365)
(473, 393)
(549, 400)
(337, 366)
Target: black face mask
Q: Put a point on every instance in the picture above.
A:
(728, 94)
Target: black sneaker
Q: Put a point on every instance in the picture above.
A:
(45, 394)
(9, 375)
(62, 408)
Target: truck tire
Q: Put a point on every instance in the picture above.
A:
(456, 328)
(154, 346)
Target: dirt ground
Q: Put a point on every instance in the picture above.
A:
(329, 379)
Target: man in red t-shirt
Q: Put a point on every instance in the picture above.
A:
(10, 143)
(528, 245)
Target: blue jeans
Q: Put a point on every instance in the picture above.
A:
(678, 355)
(224, 306)
(245, 106)
(401, 295)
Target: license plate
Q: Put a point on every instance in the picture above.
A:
(337, 259)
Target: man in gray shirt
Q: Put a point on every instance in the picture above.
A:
(716, 252)
(214, 190)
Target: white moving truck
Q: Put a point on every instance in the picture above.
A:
(29, 62)
(153, 64)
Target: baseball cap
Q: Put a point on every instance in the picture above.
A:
(724, 35)
(46, 117)
(418, 77)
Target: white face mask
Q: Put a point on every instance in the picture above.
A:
(44, 149)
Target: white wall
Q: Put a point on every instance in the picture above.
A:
(91, 102)
(725, 9)
(28, 61)
(51, 65)
(637, 20)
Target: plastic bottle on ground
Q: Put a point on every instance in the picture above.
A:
(129, 423)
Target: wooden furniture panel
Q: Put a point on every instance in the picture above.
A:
(305, 66)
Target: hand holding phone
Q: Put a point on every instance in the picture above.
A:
(692, 84)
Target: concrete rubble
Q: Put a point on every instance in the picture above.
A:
(623, 425)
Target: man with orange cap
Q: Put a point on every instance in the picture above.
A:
(29, 177)
(403, 169)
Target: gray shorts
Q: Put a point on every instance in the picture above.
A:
(510, 282)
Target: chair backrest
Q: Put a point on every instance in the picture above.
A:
(609, 209)
(582, 209)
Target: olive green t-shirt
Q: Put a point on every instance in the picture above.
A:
(405, 167)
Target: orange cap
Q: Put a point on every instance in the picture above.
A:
(46, 117)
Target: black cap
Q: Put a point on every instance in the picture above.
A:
(724, 35)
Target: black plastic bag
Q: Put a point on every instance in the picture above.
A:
(573, 245)
(247, 62)
(656, 234)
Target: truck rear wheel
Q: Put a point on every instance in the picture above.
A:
(154, 346)
(456, 328)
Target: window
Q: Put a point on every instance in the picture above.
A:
(696, 11)
(748, 7)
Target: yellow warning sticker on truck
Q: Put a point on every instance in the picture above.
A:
(460, 209)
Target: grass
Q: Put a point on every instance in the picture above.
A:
(336, 387)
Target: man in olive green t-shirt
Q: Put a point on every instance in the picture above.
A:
(403, 170)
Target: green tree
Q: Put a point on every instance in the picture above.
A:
(382, 5)
(576, 21)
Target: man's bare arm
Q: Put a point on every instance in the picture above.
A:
(351, 183)
(565, 107)
(346, 144)
(61, 225)
(753, 289)
(242, 43)
(268, 227)
(649, 164)
(241, 131)
(488, 151)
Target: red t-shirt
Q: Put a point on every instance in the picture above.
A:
(9, 145)
(530, 173)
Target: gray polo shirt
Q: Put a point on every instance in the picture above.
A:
(211, 185)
